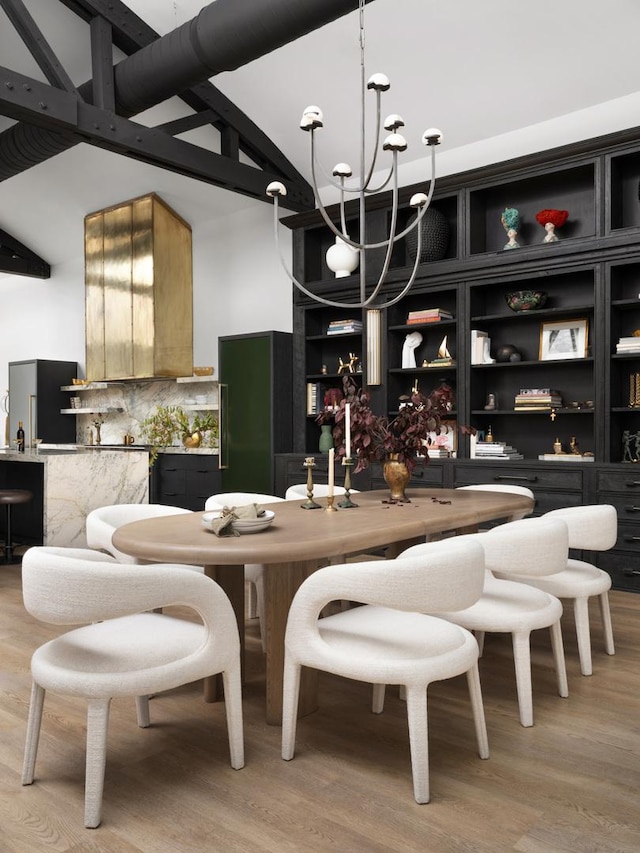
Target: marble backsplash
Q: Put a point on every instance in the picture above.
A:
(124, 405)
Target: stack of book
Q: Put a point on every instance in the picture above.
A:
(631, 344)
(428, 315)
(564, 457)
(495, 450)
(344, 327)
(537, 399)
(438, 452)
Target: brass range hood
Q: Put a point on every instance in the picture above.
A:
(139, 293)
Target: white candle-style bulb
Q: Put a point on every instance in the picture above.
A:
(347, 430)
(331, 479)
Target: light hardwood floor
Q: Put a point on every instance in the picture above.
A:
(570, 783)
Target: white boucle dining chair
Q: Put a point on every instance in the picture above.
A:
(533, 547)
(126, 651)
(591, 528)
(386, 640)
(103, 522)
(253, 572)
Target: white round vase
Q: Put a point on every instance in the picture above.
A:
(342, 259)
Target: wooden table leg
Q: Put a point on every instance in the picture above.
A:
(231, 579)
(281, 582)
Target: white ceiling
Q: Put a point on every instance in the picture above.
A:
(475, 69)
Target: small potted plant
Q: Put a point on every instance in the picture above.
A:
(171, 423)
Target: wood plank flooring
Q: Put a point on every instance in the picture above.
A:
(570, 783)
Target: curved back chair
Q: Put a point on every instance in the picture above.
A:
(105, 520)
(386, 639)
(127, 651)
(504, 487)
(532, 547)
(591, 528)
(253, 572)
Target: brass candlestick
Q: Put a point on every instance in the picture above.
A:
(346, 502)
(330, 506)
(309, 464)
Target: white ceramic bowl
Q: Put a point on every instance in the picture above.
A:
(241, 525)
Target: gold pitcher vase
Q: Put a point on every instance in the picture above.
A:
(396, 477)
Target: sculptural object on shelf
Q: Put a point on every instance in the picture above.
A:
(511, 223)
(411, 343)
(550, 220)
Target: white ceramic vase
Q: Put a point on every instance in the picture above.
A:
(342, 259)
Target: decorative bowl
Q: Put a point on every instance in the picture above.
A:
(241, 525)
(526, 300)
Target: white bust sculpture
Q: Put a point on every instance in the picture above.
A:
(411, 343)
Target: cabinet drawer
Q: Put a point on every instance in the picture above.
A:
(629, 540)
(628, 506)
(505, 473)
(201, 484)
(546, 501)
(624, 569)
(172, 481)
(620, 481)
(428, 477)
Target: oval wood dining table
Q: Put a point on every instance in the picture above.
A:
(297, 543)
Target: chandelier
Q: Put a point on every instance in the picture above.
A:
(355, 250)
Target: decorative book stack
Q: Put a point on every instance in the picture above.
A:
(428, 315)
(495, 450)
(344, 327)
(628, 345)
(537, 399)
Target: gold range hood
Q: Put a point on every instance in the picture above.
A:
(139, 293)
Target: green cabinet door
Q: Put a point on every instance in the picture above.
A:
(257, 370)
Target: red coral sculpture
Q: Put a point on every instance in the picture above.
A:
(556, 217)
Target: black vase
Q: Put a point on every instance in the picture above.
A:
(435, 237)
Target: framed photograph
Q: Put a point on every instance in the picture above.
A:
(563, 339)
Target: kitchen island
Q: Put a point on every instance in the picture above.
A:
(67, 484)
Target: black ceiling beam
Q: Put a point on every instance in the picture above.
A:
(130, 34)
(190, 122)
(37, 44)
(50, 108)
(17, 259)
(103, 86)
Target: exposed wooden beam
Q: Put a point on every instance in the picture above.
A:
(17, 259)
(37, 44)
(32, 101)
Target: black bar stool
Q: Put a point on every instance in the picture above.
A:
(8, 497)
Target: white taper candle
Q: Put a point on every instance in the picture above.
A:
(347, 430)
(332, 454)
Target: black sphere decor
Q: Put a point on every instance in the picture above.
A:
(435, 237)
(507, 353)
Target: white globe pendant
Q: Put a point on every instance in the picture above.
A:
(342, 259)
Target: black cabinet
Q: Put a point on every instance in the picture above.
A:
(591, 277)
(185, 480)
(36, 399)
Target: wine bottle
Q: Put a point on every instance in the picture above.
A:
(20, 437)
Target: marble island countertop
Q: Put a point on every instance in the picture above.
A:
(50, 450)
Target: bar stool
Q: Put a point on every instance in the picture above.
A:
(8, 497)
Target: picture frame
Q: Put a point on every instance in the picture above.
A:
(563, 339)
